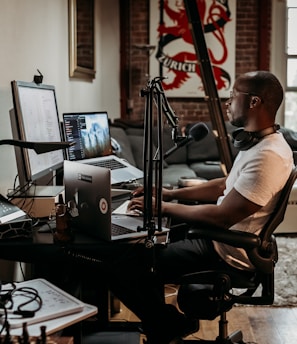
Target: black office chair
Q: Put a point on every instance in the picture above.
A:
(208, 294)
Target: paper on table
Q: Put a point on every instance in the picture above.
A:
(55, 302)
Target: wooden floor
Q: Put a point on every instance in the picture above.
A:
(260, 325)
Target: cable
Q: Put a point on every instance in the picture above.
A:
(5, 297)
(8, 301)
(19, 189)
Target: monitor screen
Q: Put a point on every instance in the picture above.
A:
(35, 118)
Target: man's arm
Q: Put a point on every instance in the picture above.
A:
(233, 209)
(205, 192)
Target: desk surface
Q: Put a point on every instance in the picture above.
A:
(41, 247)
(49, 259)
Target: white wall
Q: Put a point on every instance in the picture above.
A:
(34, 35)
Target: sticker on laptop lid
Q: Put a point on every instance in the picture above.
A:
(103, 205)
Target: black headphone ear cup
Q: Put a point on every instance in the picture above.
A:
(243, 140)
(235, 133)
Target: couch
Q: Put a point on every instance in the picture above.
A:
(197, 160)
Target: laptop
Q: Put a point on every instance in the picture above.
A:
(88, 194)
(91, 134)
(9, 211)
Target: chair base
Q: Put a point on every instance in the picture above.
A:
(233, 338)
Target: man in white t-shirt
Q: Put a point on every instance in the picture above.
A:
(243, 200)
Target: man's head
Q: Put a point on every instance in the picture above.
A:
(254, 101)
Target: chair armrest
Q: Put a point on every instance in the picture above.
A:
(250, 242)
(227, 236)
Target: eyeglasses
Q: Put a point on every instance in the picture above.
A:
(232, 93)
(247, 93)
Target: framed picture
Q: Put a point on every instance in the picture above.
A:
(175, 58)
(81, 39)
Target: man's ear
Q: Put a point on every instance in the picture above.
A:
(255, 101)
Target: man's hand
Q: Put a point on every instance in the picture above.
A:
(137, 203)
(137, 192)
(166, 193)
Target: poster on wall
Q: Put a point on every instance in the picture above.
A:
(174, 56)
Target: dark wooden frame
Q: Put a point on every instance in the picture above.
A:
(81, 43)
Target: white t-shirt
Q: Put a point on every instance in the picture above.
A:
(258, 174)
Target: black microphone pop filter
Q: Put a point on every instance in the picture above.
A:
(196, 133)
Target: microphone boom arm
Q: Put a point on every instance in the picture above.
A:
(153, 162)
(167, 110)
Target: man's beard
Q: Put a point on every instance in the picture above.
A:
(238, 122)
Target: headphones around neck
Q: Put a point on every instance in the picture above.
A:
(244, 140)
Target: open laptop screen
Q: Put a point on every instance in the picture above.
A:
(90, 131)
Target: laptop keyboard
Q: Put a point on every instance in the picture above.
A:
(111, 164)
(119, 230)
(6, 208)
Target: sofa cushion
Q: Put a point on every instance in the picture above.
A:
(136, 143)
(179, 156)
(124, 150)
(135, 131)
(137, 149)
(207, 148)
(173, 172)
(207, 169)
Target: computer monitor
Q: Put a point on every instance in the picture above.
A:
(35, 117)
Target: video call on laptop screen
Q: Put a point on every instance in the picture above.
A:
(90, 131)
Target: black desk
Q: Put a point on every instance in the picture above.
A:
(42, 248)
(52, 262)
(58, 265)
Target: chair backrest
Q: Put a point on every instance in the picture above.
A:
(265, 257)
(280, 209)
(211, 288)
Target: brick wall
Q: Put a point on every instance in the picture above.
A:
(252, 17)
(85, 38)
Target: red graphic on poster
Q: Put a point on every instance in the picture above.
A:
(184, 63)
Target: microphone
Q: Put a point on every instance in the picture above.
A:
(39, 147)
(196, 133)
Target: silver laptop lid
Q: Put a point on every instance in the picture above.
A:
(88, 194)
(87, 191)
